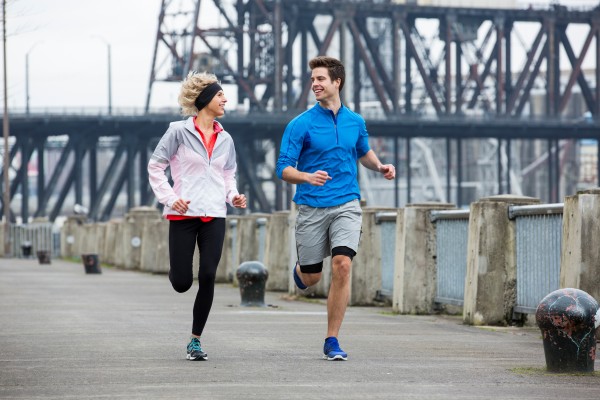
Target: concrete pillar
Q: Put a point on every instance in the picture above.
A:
(365, 279)
(277, 258)
(415, 269)
(228, 263)
(122, 235)
(2, 230)
(89, 239)
(70, 236)
(580, 255)
(130, 235)
(154, 252)
(490, 283)
(101, 237)
(110, 241)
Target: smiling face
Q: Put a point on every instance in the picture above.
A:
(323, 87)
(216, 107)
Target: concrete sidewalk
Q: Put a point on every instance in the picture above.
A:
(122, 334)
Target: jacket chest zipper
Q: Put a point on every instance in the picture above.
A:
(337, 141)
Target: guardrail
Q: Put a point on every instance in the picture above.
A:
(538, 241)
(36, 237)
(452, 231)
(387, 222)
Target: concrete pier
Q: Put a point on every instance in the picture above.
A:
(490, 282)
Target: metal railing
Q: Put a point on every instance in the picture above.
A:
(36, 237)
(452, 233)
(538, 241)
(387, 222)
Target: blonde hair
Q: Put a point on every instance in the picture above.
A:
(191, 87)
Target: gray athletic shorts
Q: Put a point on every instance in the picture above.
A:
(318, 230)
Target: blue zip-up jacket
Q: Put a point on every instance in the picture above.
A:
(319, 140)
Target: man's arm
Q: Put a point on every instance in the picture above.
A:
(371, 162)
(292, 175)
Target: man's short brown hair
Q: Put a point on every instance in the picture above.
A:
(334, 67)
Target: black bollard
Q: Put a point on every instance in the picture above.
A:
(43, 256)
(252, 276)
(91, 263)
(26, 249)
(566, 318)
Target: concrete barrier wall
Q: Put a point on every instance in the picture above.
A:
(2, 230)
(71, 238)
(229, 258)
(580, 256)
(130, 236)
(415, 269)
(277, 256)
(154, 252)
(366, 266)
(490, 279)
(490, 283)
(110, 241)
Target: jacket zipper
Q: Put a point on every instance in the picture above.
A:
(337, 140)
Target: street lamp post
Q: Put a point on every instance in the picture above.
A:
(109, 80)
(108, 48)
(27, 83)
(5, 133)
(27, 78)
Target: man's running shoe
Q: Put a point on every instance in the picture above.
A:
(332, 350)
(297, 279)
(195, 352)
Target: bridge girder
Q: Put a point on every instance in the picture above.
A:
(408, 59)
(475, 74)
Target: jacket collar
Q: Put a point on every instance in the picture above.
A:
(189, 125)
(327, 110)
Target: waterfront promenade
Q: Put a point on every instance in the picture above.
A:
(122, 335)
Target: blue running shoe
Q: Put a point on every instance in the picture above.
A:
(332, 350)
(297, 278)
(195, 352)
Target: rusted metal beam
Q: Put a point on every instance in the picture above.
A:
(369, 66)
(424, 75)
(531, 54)
(576, 63)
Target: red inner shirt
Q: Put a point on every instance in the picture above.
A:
(210, 145)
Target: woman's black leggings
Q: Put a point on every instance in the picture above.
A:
(183, 236)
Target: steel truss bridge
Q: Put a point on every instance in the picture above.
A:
(441, 88)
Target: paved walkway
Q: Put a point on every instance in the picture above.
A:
(122, 335)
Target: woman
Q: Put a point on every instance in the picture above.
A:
(202, 159)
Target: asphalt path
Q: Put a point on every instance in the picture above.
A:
(121, 334)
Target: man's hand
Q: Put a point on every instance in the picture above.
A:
(318, 178)
(239, 201)
(388, 171)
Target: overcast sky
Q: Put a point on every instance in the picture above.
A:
(67, 45)
(68, 53)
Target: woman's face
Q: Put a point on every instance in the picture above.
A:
(217, 105)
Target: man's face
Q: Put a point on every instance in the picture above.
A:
(322, 85)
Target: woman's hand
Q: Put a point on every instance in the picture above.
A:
(180, 205)
(239, 201)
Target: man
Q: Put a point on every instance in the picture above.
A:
(319, 153)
